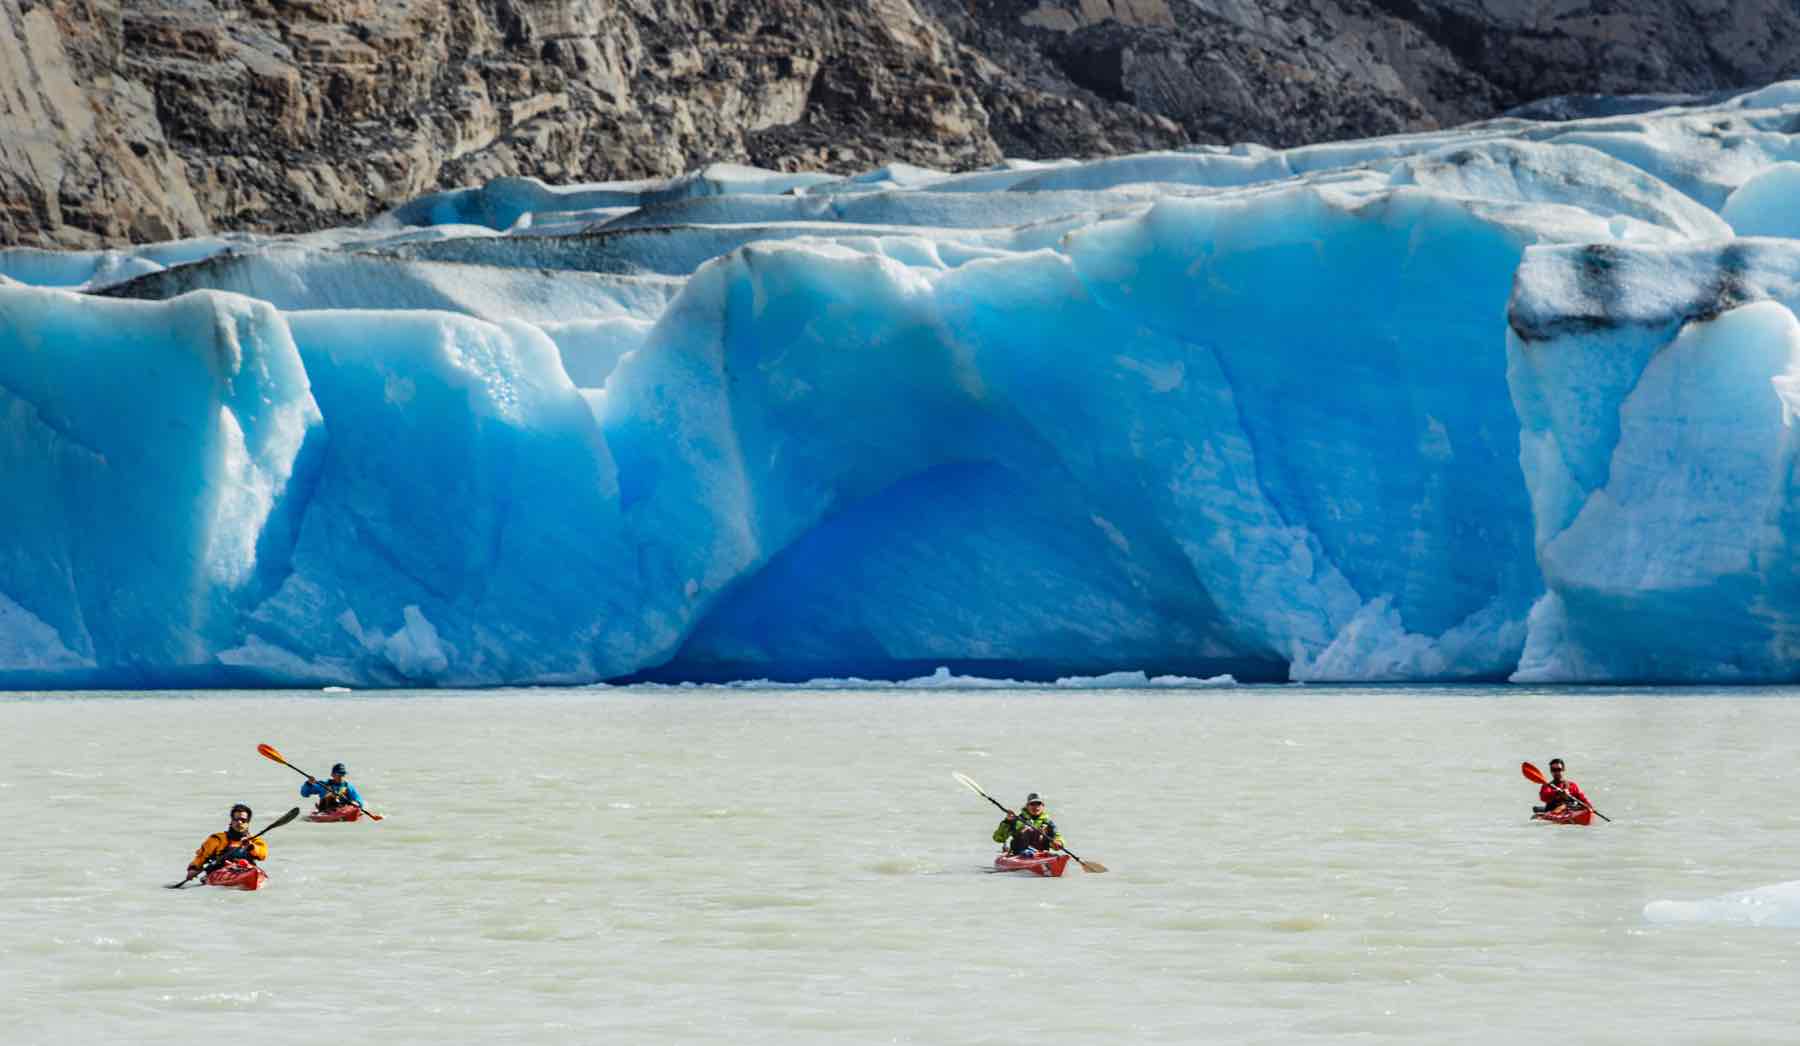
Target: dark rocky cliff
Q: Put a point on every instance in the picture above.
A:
(151, 119)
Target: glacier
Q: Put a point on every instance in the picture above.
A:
(1508, 401)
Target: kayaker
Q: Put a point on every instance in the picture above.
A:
(233, 844)
(1029, 830)
(1557, 793)
(333, 793)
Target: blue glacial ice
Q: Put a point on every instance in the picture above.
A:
(1508, 401)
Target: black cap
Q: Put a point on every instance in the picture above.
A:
(338, 768)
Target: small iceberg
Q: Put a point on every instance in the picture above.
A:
(1776, 906)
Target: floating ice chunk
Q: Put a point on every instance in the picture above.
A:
(943, 679)
(1142, 681)
(1776, 906)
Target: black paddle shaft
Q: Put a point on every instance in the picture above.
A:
(1578, 802)
(996, 802)
(310, 777)
(1064, 849)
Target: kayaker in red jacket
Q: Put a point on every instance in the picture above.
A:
(1552, 793)
(231, 844)
(1029, 830)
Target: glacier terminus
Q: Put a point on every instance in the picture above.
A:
(1510, 401)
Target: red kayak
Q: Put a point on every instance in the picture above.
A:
(237, 875)
(342, 813)
(1047, 864)
(1583, 816)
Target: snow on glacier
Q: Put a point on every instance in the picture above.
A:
(1501, 401)
(1767, 204)
(503, 202)
(293, 278)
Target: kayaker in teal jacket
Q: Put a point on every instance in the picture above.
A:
(1029, 830)
(333, 793)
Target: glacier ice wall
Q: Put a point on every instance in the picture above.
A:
(1656, 392)
(150, 456)
(1508, 401)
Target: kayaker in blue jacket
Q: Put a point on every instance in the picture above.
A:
(333, 793)
(1029, 830)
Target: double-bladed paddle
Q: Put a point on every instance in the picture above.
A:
(214, 863)
(1536, 776)
(270, 752)
(969, 783)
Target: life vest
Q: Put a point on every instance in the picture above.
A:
(219, 842)
(1552, 798)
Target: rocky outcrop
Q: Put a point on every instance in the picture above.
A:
(163, 118)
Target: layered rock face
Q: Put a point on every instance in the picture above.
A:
(156, 119)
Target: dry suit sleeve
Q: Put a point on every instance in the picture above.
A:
(207, 849)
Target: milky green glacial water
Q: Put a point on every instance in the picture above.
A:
(1289, 865)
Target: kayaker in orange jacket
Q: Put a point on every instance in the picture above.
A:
(1029, 830)
(1553, 796)
(232, 844)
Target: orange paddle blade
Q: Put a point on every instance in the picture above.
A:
(269, 752)
(1532, 773)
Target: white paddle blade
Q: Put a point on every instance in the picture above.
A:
(968, 782)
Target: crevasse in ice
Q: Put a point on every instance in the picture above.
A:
(1509, 401)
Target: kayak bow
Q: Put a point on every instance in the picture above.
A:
(342, 813)
(1566, 815)
(1050, 865)
(237, 875)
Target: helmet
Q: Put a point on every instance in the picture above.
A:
(338, 768)
(240, 806)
